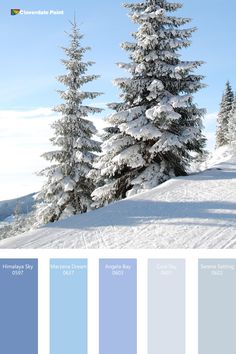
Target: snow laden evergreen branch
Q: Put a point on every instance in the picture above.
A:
(68, 188)
(156, 127)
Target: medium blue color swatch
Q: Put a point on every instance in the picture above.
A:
(68, 310)
(18, 306)
(118, 306)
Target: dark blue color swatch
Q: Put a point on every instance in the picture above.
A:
(18, 306)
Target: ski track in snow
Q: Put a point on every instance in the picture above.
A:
(198, 211)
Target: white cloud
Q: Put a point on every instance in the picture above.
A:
(35, 113)
(24, 136)
(210, 118)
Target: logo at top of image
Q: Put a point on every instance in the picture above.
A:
(15, 12)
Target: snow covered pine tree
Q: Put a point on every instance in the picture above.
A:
(157, 125)
(67, 190)
(222, 137)
(232, 125)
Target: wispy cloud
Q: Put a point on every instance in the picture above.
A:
(24, 136)
(35, 113)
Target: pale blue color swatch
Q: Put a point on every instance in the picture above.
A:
(68, 306)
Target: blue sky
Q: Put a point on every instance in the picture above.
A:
(30, 60)
(30, 47)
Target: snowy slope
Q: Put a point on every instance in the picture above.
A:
(198, 211)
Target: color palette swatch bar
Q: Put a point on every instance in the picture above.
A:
(18, 306)
(217, 306)
(118, 306)
(166, 306)
(68, 306)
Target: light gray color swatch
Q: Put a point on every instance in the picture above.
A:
(217, 306)
(166, 306)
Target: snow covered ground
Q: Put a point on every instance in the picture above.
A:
(198, 211)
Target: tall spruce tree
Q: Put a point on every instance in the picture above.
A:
(222, 136)
(67, 190)
(232, 124)
(156, 126)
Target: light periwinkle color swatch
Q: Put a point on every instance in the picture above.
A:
(18, 306)
(166, 306)
(118, 306)
(68, 306)
(217, 306)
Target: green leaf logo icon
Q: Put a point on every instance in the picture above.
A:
(15, 12)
